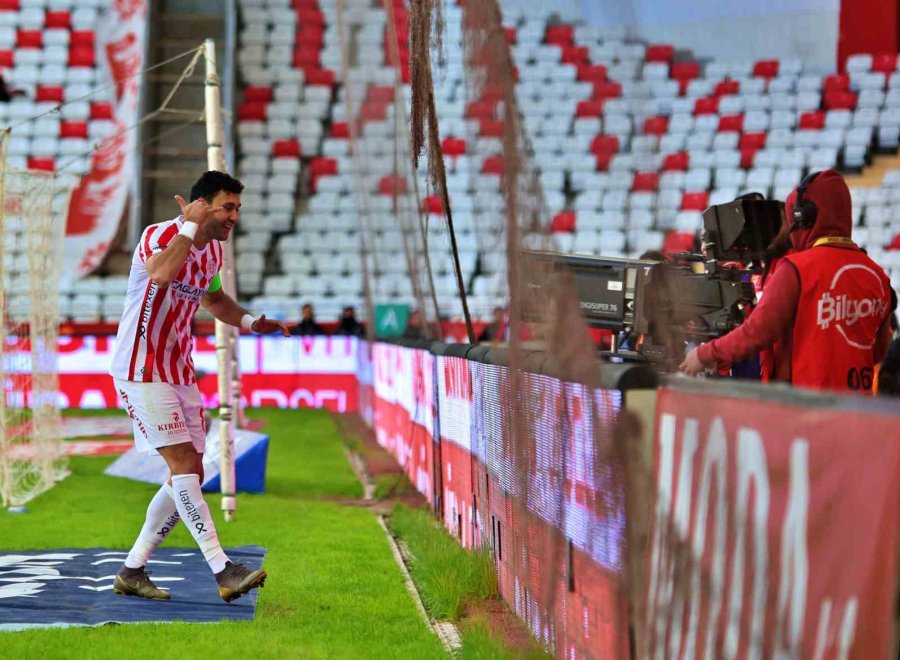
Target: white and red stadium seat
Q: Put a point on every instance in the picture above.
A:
(631, 140)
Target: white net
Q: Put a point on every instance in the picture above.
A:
(33, 207)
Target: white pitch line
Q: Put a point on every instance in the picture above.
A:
(446, 631)
(359, 469)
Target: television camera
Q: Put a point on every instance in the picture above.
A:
(654, 309)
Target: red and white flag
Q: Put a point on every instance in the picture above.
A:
(99, 200)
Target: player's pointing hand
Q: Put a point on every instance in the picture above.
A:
(264, 326)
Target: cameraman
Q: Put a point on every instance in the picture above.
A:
(825, 314)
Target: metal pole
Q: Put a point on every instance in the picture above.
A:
(6, 464)
(136, 213)
(226, 348)
(227, 94)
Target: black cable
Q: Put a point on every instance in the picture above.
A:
(114, 83)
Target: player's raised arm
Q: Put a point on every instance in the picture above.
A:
(163, 266)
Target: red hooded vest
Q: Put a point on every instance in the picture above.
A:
(767, 356)
(844, 296)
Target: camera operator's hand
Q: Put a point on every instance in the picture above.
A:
(692, 365)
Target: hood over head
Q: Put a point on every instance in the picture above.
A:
(829, 192)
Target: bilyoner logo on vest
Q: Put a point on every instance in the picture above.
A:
(845, 312)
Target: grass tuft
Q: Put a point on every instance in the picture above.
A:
(353, 442)
(447, 575)
(479, 643)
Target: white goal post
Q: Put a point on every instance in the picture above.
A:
(33, 209)
(226, 335)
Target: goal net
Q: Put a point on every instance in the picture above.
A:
(33, 206)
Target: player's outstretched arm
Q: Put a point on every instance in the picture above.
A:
(223, 307)
(164, 266)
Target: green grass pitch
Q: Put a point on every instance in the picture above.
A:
(334, 590)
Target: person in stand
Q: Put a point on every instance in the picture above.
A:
(308, 324)
(348, 325)
(826, 310)
(415, 326)
(495, 331)
(652, 255)
(7, 93)
(174, 270)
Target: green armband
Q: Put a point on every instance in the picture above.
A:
(216, 284)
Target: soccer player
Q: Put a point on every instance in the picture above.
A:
(175, 269)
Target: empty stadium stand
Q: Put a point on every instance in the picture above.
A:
(632, 141)
(47, 51)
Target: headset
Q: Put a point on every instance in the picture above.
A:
(805, 210)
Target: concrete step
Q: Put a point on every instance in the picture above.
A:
(191, 138)
(164, 48)
(173, 162)
(170, 78)
(195, 27)
(186, 97)
(166, 119)
(173, 174)
(179, 152)
(177, 167)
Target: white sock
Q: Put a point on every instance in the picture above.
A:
(162, 516)
(195, 514)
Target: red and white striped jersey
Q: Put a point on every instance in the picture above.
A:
(154, 340)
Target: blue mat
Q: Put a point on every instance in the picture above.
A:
(73, 587)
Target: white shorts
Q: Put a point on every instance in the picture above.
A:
(164, 414)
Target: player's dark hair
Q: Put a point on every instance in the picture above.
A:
(211, 183)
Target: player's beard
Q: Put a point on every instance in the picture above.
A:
(220, 233)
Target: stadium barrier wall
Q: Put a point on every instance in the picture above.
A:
(439, 409)
(770, 519)
(785, 502)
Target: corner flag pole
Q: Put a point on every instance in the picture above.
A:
(226, 336)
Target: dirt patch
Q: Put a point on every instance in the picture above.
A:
(379, 507)
(392, 485)
(505, 625)
(381, 465)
